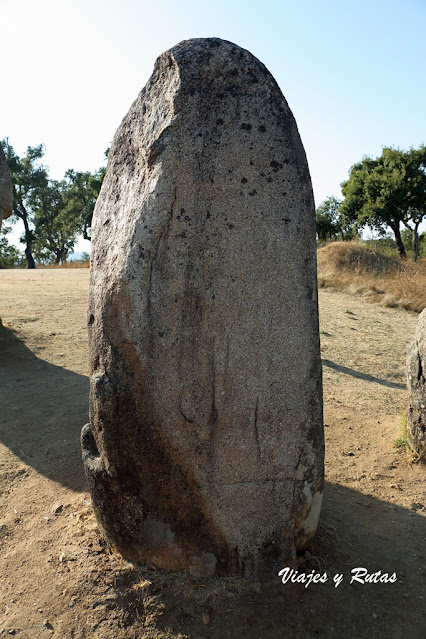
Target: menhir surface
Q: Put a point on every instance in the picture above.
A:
(205, 445)
(416, 384)
(5, 188)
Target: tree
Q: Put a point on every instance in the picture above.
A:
(415, 177)
(10, 256)
(331, 224)
(80, 195)
(53, 212)
(28, 176)
(387, 191)
(56, 228)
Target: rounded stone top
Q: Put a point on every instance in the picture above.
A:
(205, 58)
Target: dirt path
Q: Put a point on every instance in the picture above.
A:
(57, 578)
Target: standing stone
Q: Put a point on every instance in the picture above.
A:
(416, 383)
(204, 450)
(5, 188)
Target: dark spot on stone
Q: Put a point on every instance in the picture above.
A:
(276, 165)
(200, 135)
(182, 211)
(211, 181)
(253, 77)
(286, 220)
(208, 216)
(161, 333)
(244, 180)
(219, 121)
(234, 72)
(178, 217)
(253, 192)
(284, 193)
(91, 320)
(231, 226)
(246, 126)
(262, 129)
(192, 92)
(187, 218)
(269, 179)
(251, 162)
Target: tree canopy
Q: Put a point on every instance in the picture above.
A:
(331, 223)
(388, 191)
(54, 212)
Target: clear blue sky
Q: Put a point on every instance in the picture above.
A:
(353, 73)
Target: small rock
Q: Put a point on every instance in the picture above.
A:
(374, 615)
(206, 618)
(57, 509)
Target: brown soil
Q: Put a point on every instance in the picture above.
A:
(57, 578)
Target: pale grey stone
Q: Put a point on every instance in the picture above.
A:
(416, 384)
(205, 445)
(5, 188)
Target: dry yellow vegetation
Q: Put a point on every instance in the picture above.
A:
(357, 269)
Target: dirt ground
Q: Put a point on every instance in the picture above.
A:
(58, 579)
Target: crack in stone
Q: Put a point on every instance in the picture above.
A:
(420, 377)
(256, 432)
(161, 241)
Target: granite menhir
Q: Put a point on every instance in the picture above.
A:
(205, 447)
(416, 384)
(5, 188)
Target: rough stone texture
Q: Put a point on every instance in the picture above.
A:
(416, 383)
(5, 188)
(205, 444)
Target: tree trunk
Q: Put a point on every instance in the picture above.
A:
(398, 240)
(28, 255)
(22, 213)
(29, 241)
(415, 234)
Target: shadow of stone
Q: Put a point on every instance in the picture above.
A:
(356, 531)
(359, 375)
(43, 408)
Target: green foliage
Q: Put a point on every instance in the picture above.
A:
(54, 213)
(80, 195)
(56, 229)
(388, 191)
(10, 257)
(331, 223)
(28, 176)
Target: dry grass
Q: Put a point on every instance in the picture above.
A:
(70, 264)
(354, 267)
